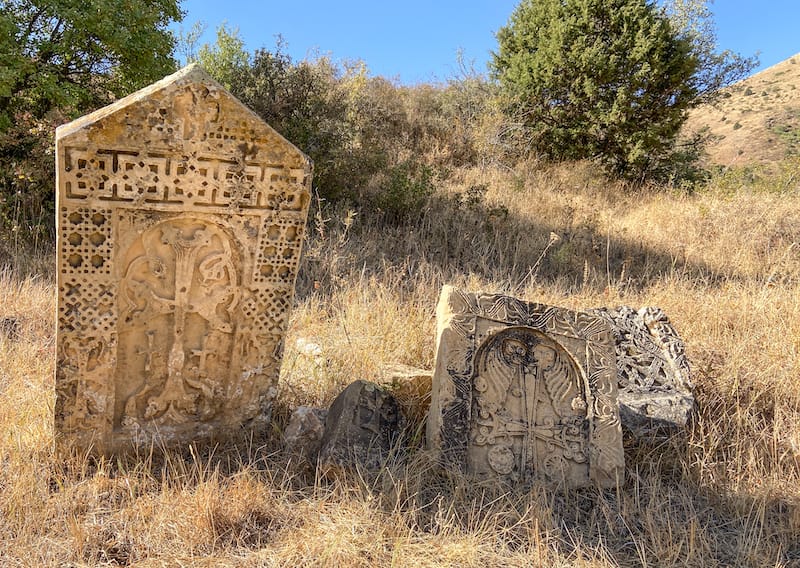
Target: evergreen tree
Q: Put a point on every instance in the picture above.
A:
(603, 79)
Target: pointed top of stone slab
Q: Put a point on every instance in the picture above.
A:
(187, 109)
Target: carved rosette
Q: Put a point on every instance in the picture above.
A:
(524, 390)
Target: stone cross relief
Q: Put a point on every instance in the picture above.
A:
(186, 275)
(528, 408)
(180, 218)
(524, 391)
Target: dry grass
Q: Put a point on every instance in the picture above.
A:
(757, 120)
(724, 265)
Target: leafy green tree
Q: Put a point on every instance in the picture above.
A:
(603, 79)
(79, 53)
(60, 58)
(693, 20)
(313, 103)
(226, 60)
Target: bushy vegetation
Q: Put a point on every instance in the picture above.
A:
(371, 140)
(60, 59)
(421, 186)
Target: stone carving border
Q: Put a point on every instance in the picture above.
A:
(180, 154)
(459, 314)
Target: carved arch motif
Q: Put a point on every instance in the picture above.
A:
(491, 350)
(529, 408)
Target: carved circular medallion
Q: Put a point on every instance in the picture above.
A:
(555, 467)
(501, 458)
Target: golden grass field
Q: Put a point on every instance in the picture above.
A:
(723, 262)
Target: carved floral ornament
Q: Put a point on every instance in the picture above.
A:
(181, 221)
(523, 391)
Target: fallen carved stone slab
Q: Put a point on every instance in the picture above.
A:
(653, 375)
(523, 390)
(363, 427)
(180, 217)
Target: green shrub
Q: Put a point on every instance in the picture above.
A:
(608, 80)
(405, 189)
(368, 137)
(27, 184)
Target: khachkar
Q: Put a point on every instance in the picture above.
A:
(523, 391)
(180, 218)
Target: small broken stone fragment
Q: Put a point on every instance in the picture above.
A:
(653, 374)
(364, 428)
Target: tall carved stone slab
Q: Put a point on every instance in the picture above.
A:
(180, 218)
(523, 390)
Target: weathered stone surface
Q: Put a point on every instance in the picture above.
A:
(653, 375)
(411, 387)
(523, 390)
(180, 217)
(363, 427)
(304, 432)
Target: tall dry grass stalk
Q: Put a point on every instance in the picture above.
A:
(725, 267)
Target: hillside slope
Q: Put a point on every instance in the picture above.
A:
(757, 120)
(724, 265)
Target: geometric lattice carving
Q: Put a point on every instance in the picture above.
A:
(523, 391)
(650, 355)
(180, 225)
(86, 245)
(653, 375)
(268, 312)
(87, 306)
(279, 250)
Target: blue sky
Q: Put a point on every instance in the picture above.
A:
(417, 41)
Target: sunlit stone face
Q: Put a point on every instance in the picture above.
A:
(180, 223)
(524, 391)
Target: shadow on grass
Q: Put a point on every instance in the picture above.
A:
(450, 239)
(665, 513)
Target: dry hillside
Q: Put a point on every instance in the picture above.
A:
(726, 494)
(757, 120)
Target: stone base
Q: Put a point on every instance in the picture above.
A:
(411, 387)
(655, 414)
